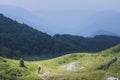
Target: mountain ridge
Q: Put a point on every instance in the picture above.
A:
(57, 22)
(21, 40)
(103, 32)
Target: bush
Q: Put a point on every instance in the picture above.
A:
(22, 63)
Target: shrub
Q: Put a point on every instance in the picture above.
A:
(22, 63)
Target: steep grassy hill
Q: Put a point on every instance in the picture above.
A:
(53, 69)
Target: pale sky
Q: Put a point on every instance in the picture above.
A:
(64, 4)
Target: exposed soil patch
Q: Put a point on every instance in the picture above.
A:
(72, 66)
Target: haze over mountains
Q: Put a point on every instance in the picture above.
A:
(75, 22)
(103, 32)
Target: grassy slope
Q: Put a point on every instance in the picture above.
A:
(10, 70)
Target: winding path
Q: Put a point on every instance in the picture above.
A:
(42, 77)
(45, 75)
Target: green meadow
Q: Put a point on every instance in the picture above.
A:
(53, 69)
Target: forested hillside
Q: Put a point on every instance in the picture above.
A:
(85, 44)
(20, 40)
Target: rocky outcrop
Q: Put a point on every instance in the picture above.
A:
(112, 78)
(107, 65)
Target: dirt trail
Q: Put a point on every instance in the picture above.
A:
(42, 77)
(45, 75)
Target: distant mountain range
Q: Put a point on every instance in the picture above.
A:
(23, 16)
(19, 40)
(75, 22)
(105, 20)
(103, 32)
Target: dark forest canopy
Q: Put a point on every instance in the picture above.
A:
(19, 40)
